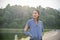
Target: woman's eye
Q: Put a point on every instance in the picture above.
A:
(35, 13)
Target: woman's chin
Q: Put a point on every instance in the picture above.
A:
(35, 18)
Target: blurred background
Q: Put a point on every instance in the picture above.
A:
(15, 13)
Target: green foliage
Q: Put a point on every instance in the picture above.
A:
(16, 16)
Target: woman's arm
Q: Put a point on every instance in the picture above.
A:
(26, 31)
(26, 28)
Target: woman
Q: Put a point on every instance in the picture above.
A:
(36, 27)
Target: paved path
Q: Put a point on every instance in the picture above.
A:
(52, 35)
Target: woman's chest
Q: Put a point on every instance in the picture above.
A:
(33, 25)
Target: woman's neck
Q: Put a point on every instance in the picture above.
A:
(36, 20)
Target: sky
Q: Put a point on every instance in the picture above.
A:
(32, 3)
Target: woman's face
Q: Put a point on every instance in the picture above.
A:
(35, 14)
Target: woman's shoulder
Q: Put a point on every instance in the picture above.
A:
(30, 20)
(40, 21)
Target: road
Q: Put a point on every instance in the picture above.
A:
(52, 35)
